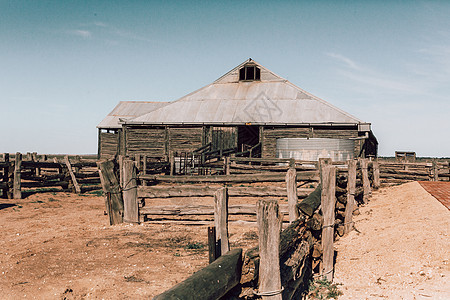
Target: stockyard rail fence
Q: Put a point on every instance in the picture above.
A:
(22, 175)
(313, 202)
(321, 200)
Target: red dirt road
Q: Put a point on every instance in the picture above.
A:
(439, 190)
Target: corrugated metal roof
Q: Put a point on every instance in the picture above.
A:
(271, 100)
(128, 110)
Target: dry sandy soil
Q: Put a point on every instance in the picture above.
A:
(401, 249)
(59, 246)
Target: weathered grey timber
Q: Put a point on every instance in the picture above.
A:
(312, 202)
(328, 177)
(351, 189)
(130, 199)
(211, 282)
(72, 175)
(221, 219)
(111, 187)
(291, 187)
(208, 191)
(269, 228)
(17, 193)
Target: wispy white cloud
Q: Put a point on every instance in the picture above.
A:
(85, 34)
(350, 63)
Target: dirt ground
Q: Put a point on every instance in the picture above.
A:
(59, 246)
(401, 249)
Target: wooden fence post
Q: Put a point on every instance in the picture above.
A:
(221, 219)
(226, 165)
(172, 163)
(213, 246)
(72, 175)
(17, 193)
(435, 170)
(269, 228)
(328, 200)
(351, 188)
(365, 179)
(376, 174)
(130, 200)
(5, 178)
(111, 188)
(291, 186)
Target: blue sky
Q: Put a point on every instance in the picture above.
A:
(64, 65)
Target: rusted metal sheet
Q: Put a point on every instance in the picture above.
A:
(271, 100)
(127, 110)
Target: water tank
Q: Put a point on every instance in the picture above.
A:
(314, 148)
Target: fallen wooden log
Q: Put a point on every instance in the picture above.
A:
(211, 282)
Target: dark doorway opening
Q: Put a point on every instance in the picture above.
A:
(248, 138)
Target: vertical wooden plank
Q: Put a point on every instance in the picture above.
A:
(226, 162)
(144, 169)
(120, 162)
(269, 228)
(351, 188)
(137, 161)
(130, 200)
(435, 170)
(111, 186)
(291, 187)
(17, 193)
(172, 163)
(261, 139)
(328, 205)
(5, 178)
(72, 175)
(376, 174)
(365, 179)
(213, 251)
(221, 218)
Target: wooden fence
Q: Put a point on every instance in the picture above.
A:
(22, 174)
(304, 245)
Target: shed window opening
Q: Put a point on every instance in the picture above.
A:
(250, 73)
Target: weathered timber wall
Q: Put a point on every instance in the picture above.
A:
(108, 143)
(145, 141)
(185, 139)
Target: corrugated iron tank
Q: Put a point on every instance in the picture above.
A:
(314, 148)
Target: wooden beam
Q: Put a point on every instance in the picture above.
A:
(17, 193)
(351, 189)
(291, 187)
(130, 200)
(212, 282)
(269, 228)
(112, 189)
(365, 178)
(328, 206)
(208, 191)
(248, 178)
(221, 219)
(72, 175)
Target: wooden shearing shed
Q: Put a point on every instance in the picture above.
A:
(249, 111)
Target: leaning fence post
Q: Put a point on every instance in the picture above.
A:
(221, 219)
(435, 170)
(112, 189)
(351, 188)
(328, 198)
(269, 228)
(17, 193)
(72, 175)
(291, 186)
(130, 200)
